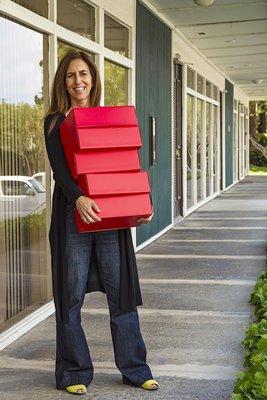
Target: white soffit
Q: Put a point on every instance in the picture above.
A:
(230, 33)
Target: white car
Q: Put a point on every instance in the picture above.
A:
(40, 177)
(20, 196)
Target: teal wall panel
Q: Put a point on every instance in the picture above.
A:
(229, 109)
(153, 97)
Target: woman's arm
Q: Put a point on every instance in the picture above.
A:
(56, 155)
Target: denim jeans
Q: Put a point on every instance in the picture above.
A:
(73, 361)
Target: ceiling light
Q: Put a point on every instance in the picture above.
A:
(203, 3)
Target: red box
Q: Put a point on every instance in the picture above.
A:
(102, 161)
(101, 147)
(101, 127)
(115, 183)
(128, 202)
(117, 212)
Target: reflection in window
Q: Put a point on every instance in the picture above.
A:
(189, 149)
(77, 16)
(208, 155)
(190, 78)
(63, 48)
(235, 147)
(200, 84)
(116, 93)
(116, 36)
(23, 264)
(199, 141)
(208, 89)
(37, 6)
(215, 147)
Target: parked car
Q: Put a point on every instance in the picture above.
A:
(20, 196)
(40, 177)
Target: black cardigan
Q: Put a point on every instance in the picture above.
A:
(67, 191)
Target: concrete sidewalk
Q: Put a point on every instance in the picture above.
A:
(196, 282)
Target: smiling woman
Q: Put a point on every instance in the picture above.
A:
(79, 82)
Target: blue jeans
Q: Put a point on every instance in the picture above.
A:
(73, 361)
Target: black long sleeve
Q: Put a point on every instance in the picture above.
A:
(56, 155)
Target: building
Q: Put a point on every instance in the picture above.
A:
(191, 99)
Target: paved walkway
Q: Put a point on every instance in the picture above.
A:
(196, 282)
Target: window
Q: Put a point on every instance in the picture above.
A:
(63, 48)
(116, 36)
(77, 16)
(200, 105)
(200, 84)
(23, 264)
(116, 93)
(37, 6)
(208, 89)
(15, 188)
(190, 78)
(189, 149)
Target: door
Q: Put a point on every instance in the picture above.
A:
(153, 105)
(177, 145)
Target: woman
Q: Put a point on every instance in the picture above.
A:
(93, 261)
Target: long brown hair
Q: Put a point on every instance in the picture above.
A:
(60, 98)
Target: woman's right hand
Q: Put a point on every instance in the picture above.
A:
(86, 207)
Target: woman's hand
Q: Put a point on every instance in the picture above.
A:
(86, 208)
(145, 220)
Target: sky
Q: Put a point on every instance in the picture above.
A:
(21, 49)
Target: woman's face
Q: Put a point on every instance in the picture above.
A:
(78, 82)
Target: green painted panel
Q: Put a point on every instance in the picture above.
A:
(229, 109)
(153, 97)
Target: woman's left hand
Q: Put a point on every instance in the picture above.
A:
(145, 220)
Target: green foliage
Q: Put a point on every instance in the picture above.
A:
(22, 138)
(256, 158)
(252, 383)
(255, 170)
(259, 296)
(115, 84)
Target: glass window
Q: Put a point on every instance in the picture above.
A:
(199, 141)
(235, 147)
(116, 93)
(37, 186)
(25, 276)
(208, 89)
(235, 104)
(190, 78)
(189, 149)
(215, 147)
(63, 48)
(215, 93)
(200, 84)
(208, 152)
(116, 36)
(37, 6)
(77, 16)
(15, 188)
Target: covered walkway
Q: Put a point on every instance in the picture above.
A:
(196, 282)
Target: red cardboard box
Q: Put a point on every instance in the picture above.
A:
(101, 147)
(117, 212)
(115, 183)
(102, 161)
(89, 129)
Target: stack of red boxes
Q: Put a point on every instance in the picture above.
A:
(101, 147)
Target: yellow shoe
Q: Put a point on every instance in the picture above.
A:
(151, 384)
(76, 389)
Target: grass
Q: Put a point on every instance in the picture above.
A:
(255, 170)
